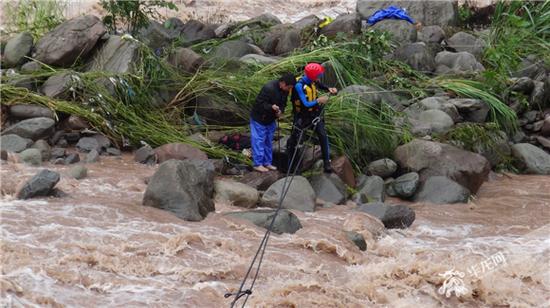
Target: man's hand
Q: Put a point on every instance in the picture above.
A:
(275, 108)
(322, 100)
(333, 90)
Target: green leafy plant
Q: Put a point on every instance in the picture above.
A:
(133, 14)
(34, 16)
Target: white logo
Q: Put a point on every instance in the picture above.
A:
(453, 283)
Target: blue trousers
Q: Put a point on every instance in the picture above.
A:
(261, 138)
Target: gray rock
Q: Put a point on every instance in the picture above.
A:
(86, 144)
(406, 185)
(544, 142)
(235, 193)
(439, 103)
(92, 156)
(260, 181)
(442, 190)
(57, 153)
(462, 41)
(69, 41)
(523, 85)
(113, 152)
(156, 36)
(307, 23)
(44, 148)
(195, 31)
(498, 152)
(233, 50)
(437, 120)
(72, 158)
(433, 159)
(300, 195)
(17, 49)
(3, 155)
(180, 151)
(530, 159)
(25, 111)
(346, 23)
(531, 67)
(184, 188)
(186, 60)
(434, 12)
(58, 161)
(329, 187)
(471, 110)
(266, 19)
(14, 143)
(370, 189)
(545, 129)
(74, 122)
(357, 239)
(531, 116)
(219, 111)
(145, 155)
(383, 167)
(259, 59)
(30, 67)
(103, 141)
(117, 55)
(372, 95)
(401, 31)
(519, 137)
(78, 172)
(285, 222)
(31, 157)
(23, 81)
(59, 85)
(417, 55)
(537, 98)
(281, 40)
(392, 216)
(457, 63)
(431, 34)
(41, 184)
(35, 128)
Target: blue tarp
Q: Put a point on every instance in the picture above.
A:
(391, 12)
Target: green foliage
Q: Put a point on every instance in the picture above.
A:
(134, 14)
(34, 16)
(465, 13)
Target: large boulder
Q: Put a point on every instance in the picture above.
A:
(58, 85)
(179, 151)
(300, 195)
(370, 189)
(471, 110)
(431, 12)
(401, 31)
(462, 41)
(156, 36)
(436, 121)
(383, 168)
(259, 59)
(117, 55)
(531, 159)
(343, 168)
(260, 181)
(329, 188)
(347, 24)
(87, 144)
(431, 35)
(215, 110)
(433, 159)
(195, 31)
(17, 49)
(235, 193)
(281, 40)
(70, 41)
(392, 216)
(457, 63)
(442, 190)
(40, 185)
(418, 55)
(307, 23)
(26, 111)
(35, 128)
(285, 222)
(406, 185)
(435, 102)
(266, 19)
(531, 67)
(234, 50)
(14, 143)
(184, 188)
(185, 60)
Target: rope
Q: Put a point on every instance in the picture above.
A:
(263, 244)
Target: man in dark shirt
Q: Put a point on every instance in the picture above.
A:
(270, 105)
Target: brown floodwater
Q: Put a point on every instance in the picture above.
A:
(99, 247)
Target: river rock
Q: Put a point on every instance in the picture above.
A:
(30, 67)
(392, 216)
(357, 239)
(471, 110)
(145, 155)
(530, 159)
(78, 172)
(545, 130)
(31, 157)
(538, 97)
(406, 185)
(435, 102)
(432, 159)
(462, 41)
(58, 85)
(17, 49)
(307, 23)
(343, 168)
(441, 12)
(92, 156)
(72, 158)
(457, 63)
(431, 34)
(186, 60)
(329, 188)
(545, 142)
(373, 95)
(25, 111)
(531, 67)
(346, 23)
(233, 50)
(42, 184)
(442, 190)
(117, 55)
(69, 41)
(281, 40)
(417, 55)
(14, 143)
(300, 195)
(57, 153)
(44, 149)
(113, 152)
(195, 31)
(369, 190)
(219, 111)
(35, 128)
(260, 181)
(180, 151)
(184, 188)
(86, 144)
(156, 35)
(103, 141)
(523, 85)
(436, 121)
(235, 193)
(401, 31)
(285, 222)
(259, 59)
(74, 122)
(383, 168)
(267, 19)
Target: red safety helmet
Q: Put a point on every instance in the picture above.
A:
(314, 70)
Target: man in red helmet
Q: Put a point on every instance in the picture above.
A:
(306, 107)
